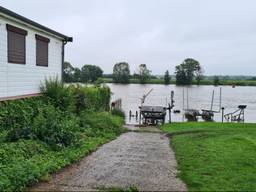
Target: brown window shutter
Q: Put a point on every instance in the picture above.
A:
(16, 44)
(42, 50)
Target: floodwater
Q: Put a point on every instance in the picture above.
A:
(199, 97)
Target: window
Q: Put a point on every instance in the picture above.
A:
(16, 44)
(42, 51)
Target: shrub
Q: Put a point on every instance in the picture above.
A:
(17, 116)
(58, 94)
(98, 98)
(33, 118)
(104, 97)
(96, 124)
(80, 97)
(91, 98)
(118, 112)
(55, 128)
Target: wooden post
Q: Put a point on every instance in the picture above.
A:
(222, 118)
(130, 115)
(212, 100)
(170, 120)
(171, 106)
(140, 118)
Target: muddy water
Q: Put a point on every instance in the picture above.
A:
(199, 97)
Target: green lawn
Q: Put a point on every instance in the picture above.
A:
(215, 156)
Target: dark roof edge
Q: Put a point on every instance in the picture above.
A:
(26, 20)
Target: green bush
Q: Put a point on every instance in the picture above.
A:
(17, 116)
(91, 98)
(45, 122)
(80, 97)
(76, 98)
(55, 128)
(97, 124)
(98, 99)
(118, 112)
(59, 95)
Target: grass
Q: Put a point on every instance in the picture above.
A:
(215, 156)
(203, 82)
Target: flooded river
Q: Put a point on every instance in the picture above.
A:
(199, 97)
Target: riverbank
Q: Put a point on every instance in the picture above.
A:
(215, 156)
(203, 82)
(39, 136)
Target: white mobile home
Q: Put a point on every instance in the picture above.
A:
(29, 53)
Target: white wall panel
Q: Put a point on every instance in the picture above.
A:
(17, 79)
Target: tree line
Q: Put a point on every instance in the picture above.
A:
(121, 73)
(87, 74)
(185, 73)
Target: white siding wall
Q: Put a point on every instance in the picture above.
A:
(18, 79)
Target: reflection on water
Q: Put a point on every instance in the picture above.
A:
(199, 98)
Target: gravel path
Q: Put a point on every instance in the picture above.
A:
(143, 160)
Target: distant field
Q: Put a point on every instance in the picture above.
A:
(215, 156)
(203, 82)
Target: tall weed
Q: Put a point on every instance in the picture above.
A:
(60, 95)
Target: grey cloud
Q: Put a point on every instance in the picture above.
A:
(161, 33)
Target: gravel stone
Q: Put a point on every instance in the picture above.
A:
(143, 160)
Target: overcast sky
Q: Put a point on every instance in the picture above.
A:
(220, 34)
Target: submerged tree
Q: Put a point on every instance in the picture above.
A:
(199, 74)
(186, 71)
(90, 73)
(68, 72)
(121, 72)
(77, 75)
(181, 78)
(216, 80)
(167, 78)
(143, 73)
